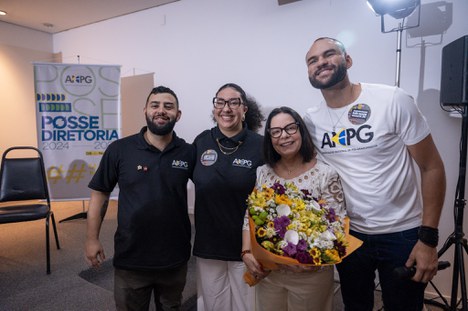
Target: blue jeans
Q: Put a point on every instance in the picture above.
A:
(381, 252)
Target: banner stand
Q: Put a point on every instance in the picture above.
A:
(82, 215)
(77, 117)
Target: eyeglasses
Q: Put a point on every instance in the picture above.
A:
(232, 103)
(290, 129)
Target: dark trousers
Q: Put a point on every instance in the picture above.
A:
(133, 289)
(381, 252)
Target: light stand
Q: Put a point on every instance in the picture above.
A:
(81, 215)
(400, 13)
(400, 9)
(457, 237)
(398, 55)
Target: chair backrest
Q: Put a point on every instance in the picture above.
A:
(23, 178)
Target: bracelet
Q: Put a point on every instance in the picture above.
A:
(246, 251)
(429, 236)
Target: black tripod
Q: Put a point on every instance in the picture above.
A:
(457, 237)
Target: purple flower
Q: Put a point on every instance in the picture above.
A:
(331, 215)
(306, 193)
(279, 188)
(302, 245)
(340, 248)
(290, 249)
(304, 257)
(280, 225)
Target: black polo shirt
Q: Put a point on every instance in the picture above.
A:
(222, 184)
(153, 230)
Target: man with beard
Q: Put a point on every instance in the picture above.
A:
(152, 242)
(371, 134)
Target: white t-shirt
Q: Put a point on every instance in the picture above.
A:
(368, 150)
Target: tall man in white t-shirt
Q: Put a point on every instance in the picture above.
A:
(371, 134)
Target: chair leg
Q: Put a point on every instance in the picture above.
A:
(55, 230)
(47, 245)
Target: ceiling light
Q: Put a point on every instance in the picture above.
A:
(2, 13)
(395, 8)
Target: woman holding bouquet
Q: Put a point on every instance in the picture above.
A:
(290, 158)
(227, 158)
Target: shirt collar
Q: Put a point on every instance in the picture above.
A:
(143, 144)
(230, 141)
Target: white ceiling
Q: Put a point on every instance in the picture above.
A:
(54, 16)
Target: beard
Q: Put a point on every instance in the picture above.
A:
(160, 130)
(336, 77)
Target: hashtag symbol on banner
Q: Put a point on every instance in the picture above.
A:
(92, 169)
(54, 174)
(75, 173)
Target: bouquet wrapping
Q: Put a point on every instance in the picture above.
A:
(290, 227)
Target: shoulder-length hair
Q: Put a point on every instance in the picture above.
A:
(307, 149)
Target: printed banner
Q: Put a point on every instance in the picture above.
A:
(78, 116)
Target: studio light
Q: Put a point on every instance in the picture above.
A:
(398, 9)
(395, 8)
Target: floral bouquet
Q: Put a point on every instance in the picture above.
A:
(288, 226)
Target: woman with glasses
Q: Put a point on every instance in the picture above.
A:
(290, 157)
(227, 158)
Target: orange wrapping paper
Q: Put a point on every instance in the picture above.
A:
(270, 261)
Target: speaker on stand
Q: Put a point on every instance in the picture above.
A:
(454, 93)
(454, 79)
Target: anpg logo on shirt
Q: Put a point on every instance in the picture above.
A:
(242, 163)
(180, 164)
(344, 137)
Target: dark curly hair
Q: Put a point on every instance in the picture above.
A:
(254, 115)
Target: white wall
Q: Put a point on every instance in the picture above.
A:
(195, 46)
(19, 48)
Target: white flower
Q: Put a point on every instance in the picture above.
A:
(281, 244)
(323, 244)
(283, 210)
(291, 236)
(294, 225)
(328, 236)
(315, 205)
(303, 236)
(270, 232)
(258, 208)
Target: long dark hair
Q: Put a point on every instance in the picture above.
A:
(307, 150)
(253, 116)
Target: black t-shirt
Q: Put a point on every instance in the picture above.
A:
(222, 185)
(153, 229)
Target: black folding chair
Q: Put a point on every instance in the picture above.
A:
(23, 183)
